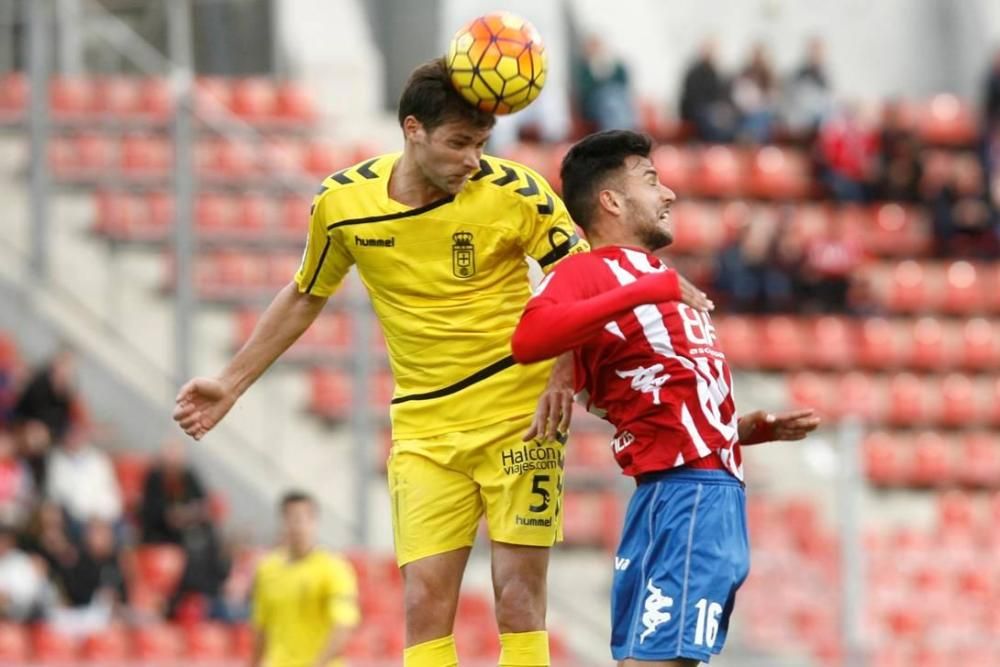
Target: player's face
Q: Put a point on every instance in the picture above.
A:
(300, 525)
(647, 204)
(449, 154)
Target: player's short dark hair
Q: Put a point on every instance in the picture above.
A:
(295, 497)
(429, 97)
(589, 163)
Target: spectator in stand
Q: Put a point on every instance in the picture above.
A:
(8, 379)
(173, 497)
(17, 489)
(829, 262)
(705, 98)
(25, 595)
(49, 395)
(33, 444)
(82, 481)
(751, 269)
(991, 106)
(602, 87)
(807, 96)
(900, 167)
(962, 217)
(755, 93)
(847, 154)
(92, 582)
(47, 537)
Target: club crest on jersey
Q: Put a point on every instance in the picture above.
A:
(463, 255)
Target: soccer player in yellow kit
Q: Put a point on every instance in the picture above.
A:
(439, 234)
(305, 599)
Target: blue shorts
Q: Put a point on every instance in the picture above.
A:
(683, 554)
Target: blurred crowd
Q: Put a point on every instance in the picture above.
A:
(69, 538)
(860, 154)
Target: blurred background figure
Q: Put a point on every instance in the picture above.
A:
(173, 497)
(82, 481)
(807, 95)
(705, 100)
(601, 83)
(755, 92)
(991, 98)
(25, 593)
(846, 152)
(49, 394)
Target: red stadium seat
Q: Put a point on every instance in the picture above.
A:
(959, 401)
(213, 96)
(674, 165)
(323, 159)
(106, 646)
(234, 159)
(908, 290)
(779, 173)
(255, 100)
(71, 99)
(720, 172)
(808, 390)
(831, 343)
(294, 216)
(878, 347)
(13, 96)
(14, 645)
(857, 395)
(932, 460)
(928, 350)
(907, 400)
(738, 340)
(963, 291)
(156, 102)
(159, 567)
(782, 342)
(131, 470)
(590, 519)
(590, 452)
(898, 231)
(947, 120)
(207, 642)
(885, 459)
(295, 105)
(118, 97)
(214, 213)
(146, 156)
(980, 347)
(50, 646)
(331, 394)
(697, 228)
(957, 510)
(254, 214)
(157, 643)
(243, 642)
(979, 462)
(993, 400)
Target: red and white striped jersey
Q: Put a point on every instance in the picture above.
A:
(656, 373)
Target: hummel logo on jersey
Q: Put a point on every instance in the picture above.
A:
(646, 380)
(377, 243)
(654, 616)
(621, 564)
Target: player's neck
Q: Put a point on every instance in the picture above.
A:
(408, 186)
(299, 553)
(601, 238)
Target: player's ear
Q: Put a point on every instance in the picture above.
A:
(412, 128)
(610, 201)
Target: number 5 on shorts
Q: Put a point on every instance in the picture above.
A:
(539, 490)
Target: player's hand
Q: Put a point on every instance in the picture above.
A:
(555, 406)
(759, 426)
(693, 296)
(201, 404)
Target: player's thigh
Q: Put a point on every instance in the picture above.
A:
(682, 558)
(521, 485)
(435, 508)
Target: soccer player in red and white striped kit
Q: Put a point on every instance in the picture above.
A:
(650, 364)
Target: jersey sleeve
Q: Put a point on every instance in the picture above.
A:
(343, 591)
(551, 234)
(325, 261)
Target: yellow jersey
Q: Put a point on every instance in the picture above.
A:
(448, 282)
(297, 603)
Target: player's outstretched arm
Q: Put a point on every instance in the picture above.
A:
(204, 401)
(759, 426)
(551, 326)
(555, 405)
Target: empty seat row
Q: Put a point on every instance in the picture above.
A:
(930, 459)
(262, 102)
(902, 399)
(230, 276)
(840, 343)
(94, 157)
(955, 288)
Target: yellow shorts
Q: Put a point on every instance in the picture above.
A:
(440, 487)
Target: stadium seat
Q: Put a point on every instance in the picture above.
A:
(720, 172)
(213, 213)
(49, 646)
(255, 216)
(738, 340)
(782, 342)
(908, 290)
(145, 157)
(591, 519)
(131, 470)
(884, 459)
(294, 217)
(907, 400)
(980, 345)
(159, 643)
(590, 452)
(898, 231)
(947, 120)
(156, 102)
(928, 349)
(282, 156)
(932, 460)
(809, 390)
(963, 291)
(242, 641)
(213, 96)
(254, 100)
(856, 394)
(323, 159)
(118, 97)
(206, 642)
(71, 99)
(879, 344)
(294, 105)
(159, 567)
(979, 460)
(831, 343)
(779, 173)
(697, 228)
(108, 646)
(959, 401)
(14, 645)
(13, 96)
(674, 165)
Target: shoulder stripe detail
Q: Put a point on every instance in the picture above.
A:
(365, 169)
(558, 250)
(319, 266)
(546, 208)
(342, 178)
(392, 216)
(464, 383)
(485, 169)
(530, 189)
(509, 176)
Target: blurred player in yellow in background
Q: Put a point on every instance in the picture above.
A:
(305, 599)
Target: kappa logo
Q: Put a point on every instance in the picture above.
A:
(463, 255)
(655, 615)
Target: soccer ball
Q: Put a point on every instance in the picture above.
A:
(497, 62)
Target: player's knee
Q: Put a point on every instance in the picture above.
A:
(428, 603)
(520, 606)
